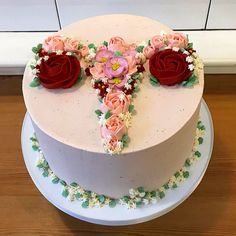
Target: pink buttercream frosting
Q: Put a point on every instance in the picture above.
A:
(71, 45)
(117, 44)
(84, 51)
(113, 127)
(116, 101)
(177, 40)
(157, 42)
(148, 51)
(53, 43)
(97, 71)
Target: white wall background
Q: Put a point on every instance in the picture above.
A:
(51, 15)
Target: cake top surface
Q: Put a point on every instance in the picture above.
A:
(68, 115)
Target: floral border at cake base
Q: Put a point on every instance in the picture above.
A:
(136, 197)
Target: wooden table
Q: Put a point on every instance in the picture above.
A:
(210, 210)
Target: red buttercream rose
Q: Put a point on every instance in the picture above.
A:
(59, 71)
(169, 67)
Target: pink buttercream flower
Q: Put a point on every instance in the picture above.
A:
(117, 44)
(53, 43)
(97, 71)
(132, 67)
(113, 127)
(178, 40)
(148, 51)
(112, 143)
(103, 55)
(84, 51)
(71, 45)
(132, 46)
(116, 67)
(116, 101)
(133, 53)
(157, 42)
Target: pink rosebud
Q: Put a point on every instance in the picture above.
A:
(178, 40)
(148, 51)
(97, 71)
(117, 44)
(84, 51)
(112, 143)
(53, 43)
(157, 42)
(71, 45)
(116, 101)
(131, 65)
(113, 127)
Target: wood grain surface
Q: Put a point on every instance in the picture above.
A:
(210, 210)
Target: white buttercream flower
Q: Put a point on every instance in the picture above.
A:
(191, 67)
(35, 71)
(176, 49)
(186, 52)
(92, 81)
(108, 90)
(104, 80)
(69, 53)
(59, 52)
(97, 91)
(128, 86)
(143, 43)
(102, 119)
(163, 33)
(122, 96)
(189, 59)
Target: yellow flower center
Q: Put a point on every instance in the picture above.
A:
(116, 80)
(115, 66)
(103, 59)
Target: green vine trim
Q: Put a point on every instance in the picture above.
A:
(137, 197)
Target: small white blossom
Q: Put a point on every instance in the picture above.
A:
(108, 90)
(142, 194)
(143, 43)
(145, 201)
(186, 52)
(176, 49)
(59, 52)
(102, 119)
(141, 57)
(33, 62)
(39, 61)
(189, 59)
(69, 53)
(154, 201)
(191, 67)
(92, 81)
(35, 71)
(97, 91)
(163, 33)
(122, 97)
(128, 86)
(104, 80)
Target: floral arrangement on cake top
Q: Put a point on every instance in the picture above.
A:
(172, 60)
(115, 69)
(57, 63)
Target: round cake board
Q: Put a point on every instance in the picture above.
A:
(119, 215)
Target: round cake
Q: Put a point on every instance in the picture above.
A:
(162, 131)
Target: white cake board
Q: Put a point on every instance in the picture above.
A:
(119, 215)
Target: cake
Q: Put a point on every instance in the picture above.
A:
(157, 142)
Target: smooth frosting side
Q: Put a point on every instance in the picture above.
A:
(68, 115)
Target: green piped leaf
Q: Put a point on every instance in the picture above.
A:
(136, 76)
(105, 43)
(190, 81)
(40, 165)
(131, 108)
(187, 163)
(45, 164)
(166, 186)
(112, 203)
(65, 192)
(117, 54)
(108, 114)
(63, 183)
(126, 199)
(98, 112)
(35, 147)
(190, 45)
(74, 184)
(125, 140)
(78, 195)
(161, 194)
(153, 80)
(149, 42)
(177, 174)
(81, 76)
(139, 203)
(197, 153)
(33, 139)
(140, 189)
(200, 140)
(101, 198)
(45, 173)
(55, 180)
(85, 204)
(186, 174)
(174, 185)
(37, 48)
(140, 48)
(34, 50)
(153, 193)
(92, 45)
(35, 82)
